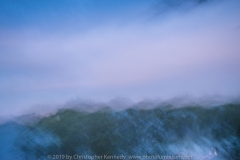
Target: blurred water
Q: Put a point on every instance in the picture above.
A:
(193, 131)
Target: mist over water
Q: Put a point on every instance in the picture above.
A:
(101, 50)
(63, 62)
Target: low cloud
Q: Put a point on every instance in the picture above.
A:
(195, 53)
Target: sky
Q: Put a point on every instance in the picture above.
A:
(56, 51)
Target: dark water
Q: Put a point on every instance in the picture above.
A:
(188, 132)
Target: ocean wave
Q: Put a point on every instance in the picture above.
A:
(193, 131)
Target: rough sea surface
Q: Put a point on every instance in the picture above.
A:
(162, 132)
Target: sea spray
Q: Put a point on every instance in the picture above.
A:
(192, 131)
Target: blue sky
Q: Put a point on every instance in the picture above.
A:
(55, 51)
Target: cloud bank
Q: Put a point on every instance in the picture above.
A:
(131, 52)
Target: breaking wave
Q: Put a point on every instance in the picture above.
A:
(134, 133)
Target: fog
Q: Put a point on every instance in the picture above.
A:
(139, 50)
